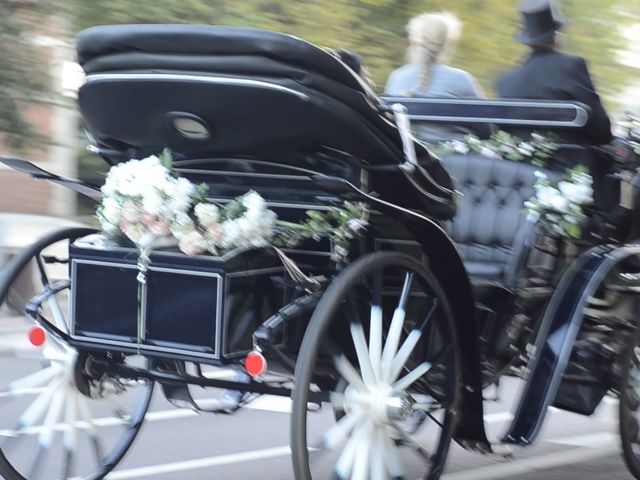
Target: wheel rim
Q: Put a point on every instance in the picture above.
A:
(630, 409)
(57, 422)
(397, 366)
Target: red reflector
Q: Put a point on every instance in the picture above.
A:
(255, 364)
(37, 336)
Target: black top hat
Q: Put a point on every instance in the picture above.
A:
(542, 19)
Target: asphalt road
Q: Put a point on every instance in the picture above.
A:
(253, 444)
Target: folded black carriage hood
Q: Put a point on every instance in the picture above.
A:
(248, 91)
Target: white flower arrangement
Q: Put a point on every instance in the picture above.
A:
(144, 201)
(147, 203)
(501, 145)
(561, 205)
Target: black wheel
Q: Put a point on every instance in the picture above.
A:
(629, 407)
(381, 349)
(57, 421)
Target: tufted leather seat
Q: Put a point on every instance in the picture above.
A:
(490, 228)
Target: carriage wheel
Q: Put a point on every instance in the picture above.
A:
(629, 407)
(56, 421)
(381, 348)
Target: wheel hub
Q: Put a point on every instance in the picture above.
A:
(381, 404)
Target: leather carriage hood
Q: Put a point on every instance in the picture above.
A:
(254, 91)
(203, 40)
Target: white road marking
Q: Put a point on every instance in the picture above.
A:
(199, 463)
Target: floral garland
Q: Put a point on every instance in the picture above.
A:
(341, 225)
(148, 203)
(561, 204)
(501, 145)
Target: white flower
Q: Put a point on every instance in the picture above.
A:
(111, 210)
(487, 152)
(206, 213)
(193, 243)
(152, 202)
(182, 225)
(179, 192)
(580, 193)
(550, 197)
(525, 148)
(356, 224)
(253, 202)
(459, 147)
(540, 174)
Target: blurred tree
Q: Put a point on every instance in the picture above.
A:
(21, 75)
(376, 28)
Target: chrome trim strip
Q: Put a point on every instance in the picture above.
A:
(243, 82)
(501, 121)
(244, 174)
(254, 272)
(580, 120)
(304, 206)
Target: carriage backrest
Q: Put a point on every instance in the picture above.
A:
(490, 223)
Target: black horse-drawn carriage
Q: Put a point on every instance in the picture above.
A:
(440, 295)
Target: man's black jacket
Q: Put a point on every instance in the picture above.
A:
(551, 75)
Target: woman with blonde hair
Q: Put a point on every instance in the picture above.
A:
(432, 39)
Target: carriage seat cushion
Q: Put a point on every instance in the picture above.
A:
(489, 226)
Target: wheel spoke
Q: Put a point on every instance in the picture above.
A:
(409, 344)
(417, 446)
(339, 432)
(395, 330)
(36, 465)
(36, 379)
(70, 434)
(375, 327)
(406, 381)
(39, 406)
(375, 339)
(58, 316)
(87, 415)
(55, 409)
(363, 453)
(390, 453)
(360, 343)
(345, 462)
(348, 372)
(378, 467)
(405, 351)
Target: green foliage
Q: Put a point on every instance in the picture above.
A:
(340, 224)
(376, 28)
(503, 145)
(21, 75)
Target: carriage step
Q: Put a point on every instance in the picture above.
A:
(228, 402)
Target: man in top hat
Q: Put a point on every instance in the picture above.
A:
(550, 75)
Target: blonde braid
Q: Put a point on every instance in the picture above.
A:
(429, 58)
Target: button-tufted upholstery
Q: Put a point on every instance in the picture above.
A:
(490, 228)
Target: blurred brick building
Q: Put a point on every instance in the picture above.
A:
(54, 116)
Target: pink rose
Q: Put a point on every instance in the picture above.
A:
(214, 233)
(159, 228)
(148, 219)
(130, 211)
(193, 243)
